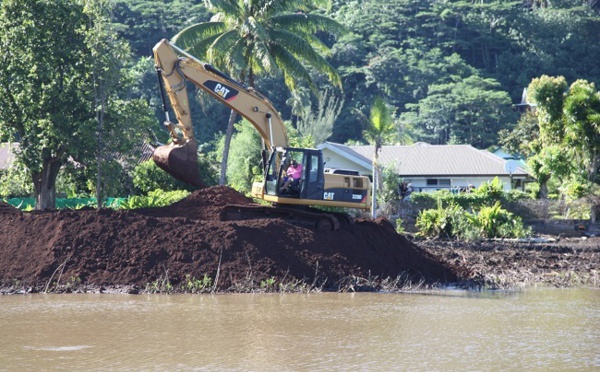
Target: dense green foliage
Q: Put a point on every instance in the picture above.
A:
(155, 198)
(470, 216)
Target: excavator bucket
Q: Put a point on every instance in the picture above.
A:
(180, 161)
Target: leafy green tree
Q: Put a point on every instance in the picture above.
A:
(523, 139)
(244, 162)
(548, 93)
(569, 118)
(60, 93)
(43, 85)
(569, 127)
(319, 124)
(582, 130)
(471, 110)
(249, 38)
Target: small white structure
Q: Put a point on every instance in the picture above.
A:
(7, 154)
(430, 167)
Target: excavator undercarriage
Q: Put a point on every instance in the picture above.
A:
(308, 217)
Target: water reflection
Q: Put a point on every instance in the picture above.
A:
(546, 329)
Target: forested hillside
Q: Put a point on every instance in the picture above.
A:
(451, 69)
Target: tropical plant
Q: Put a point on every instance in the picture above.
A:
(381, 130)
(250, 38)
(156, 198)
(389, 195)
(244, 160)
(496, 222)
(439, 222)
(493, 189)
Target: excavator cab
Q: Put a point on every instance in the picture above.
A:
(311, 183)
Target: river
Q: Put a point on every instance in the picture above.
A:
(533, 329)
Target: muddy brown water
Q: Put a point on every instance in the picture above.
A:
(534, 330)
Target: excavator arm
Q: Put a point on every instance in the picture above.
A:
(175, 67)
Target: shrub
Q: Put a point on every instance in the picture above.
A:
(496, 222)
(440, 222)
(491, 189)
(156, 198)
(454, 222)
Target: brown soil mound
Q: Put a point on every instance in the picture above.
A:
(187, 240)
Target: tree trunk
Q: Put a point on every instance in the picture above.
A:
(374, 200)
(375, 183)
(100, 119)
(228, 135)
(543, 190)
(593, 172)
(44, 184)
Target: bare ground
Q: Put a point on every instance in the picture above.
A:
(544, 261)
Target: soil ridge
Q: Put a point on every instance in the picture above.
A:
(186, 241)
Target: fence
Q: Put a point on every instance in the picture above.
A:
(65, 203)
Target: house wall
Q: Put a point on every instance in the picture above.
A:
(447, 183)
(333, 160)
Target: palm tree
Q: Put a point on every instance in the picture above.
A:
(381, 130)
(247, 38)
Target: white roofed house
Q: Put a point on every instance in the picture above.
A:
(430, 167)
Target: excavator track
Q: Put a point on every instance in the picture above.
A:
(310, 219)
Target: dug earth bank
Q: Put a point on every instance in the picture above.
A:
(185, 247)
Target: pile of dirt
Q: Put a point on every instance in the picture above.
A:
(174, 245)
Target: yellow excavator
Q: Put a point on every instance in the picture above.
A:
(317, 185)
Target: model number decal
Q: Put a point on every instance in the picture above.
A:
(328, 195)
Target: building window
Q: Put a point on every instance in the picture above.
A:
(443, 182)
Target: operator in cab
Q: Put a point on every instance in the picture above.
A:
(293, 175)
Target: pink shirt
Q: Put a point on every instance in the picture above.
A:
(296, 172)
